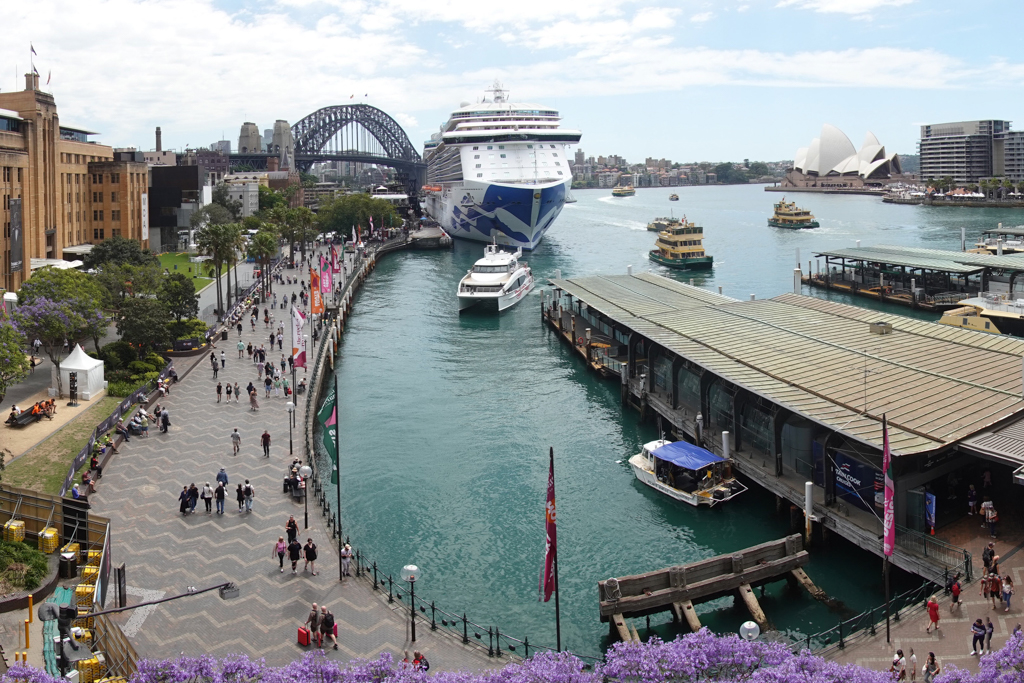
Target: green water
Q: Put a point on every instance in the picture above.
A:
(445, 421)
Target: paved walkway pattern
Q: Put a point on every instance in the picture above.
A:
(952, 642)
(166, 551)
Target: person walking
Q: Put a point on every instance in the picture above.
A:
(239, 327)
(207, 496)
(284, 363)
(313, 623)
(183, 500)
(240, 346)
(223, 360)
(309, 551)
(259, 369)
(248, 350)
(222, 477)
(899, 667)
(144, 423)
(220, 390)
(977, 637)
(280, 342)
(238, 394)
(277, 386)
(346, 559)
(218, 495)
(265, 440)
(249, 492)
(327, 625)
(216, 365)
(931, 668)
(240, 497)
(912, 665)
(954, 590)
(989, 630)
(165, 421)
(294, 553)
(253, 403)
(228, 389)
(933, 614)
(193, 497)
(236, 441)
(291, 528)
(267, 383)
(972, 500)
(991, 516)
(1007, 592)
(280, 547)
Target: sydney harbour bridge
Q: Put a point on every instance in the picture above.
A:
(351, 132)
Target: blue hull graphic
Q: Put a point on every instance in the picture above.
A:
(506, 214)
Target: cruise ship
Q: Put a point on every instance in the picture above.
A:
(498, 171)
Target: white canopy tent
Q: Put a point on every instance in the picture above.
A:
(90, 373)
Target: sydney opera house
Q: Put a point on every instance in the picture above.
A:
(830, 162)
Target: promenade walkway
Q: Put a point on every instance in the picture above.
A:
(165, 552)
(952, 642)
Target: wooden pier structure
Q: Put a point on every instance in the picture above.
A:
(679, 588)
(792, 389)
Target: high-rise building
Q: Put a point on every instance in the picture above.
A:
(965, 151)
(1013, 156)
(59, 189)
(222, 146)
(249, 141)
(580, 157)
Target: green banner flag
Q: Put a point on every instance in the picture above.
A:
(328, 417)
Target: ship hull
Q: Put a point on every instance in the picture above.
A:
(695, 263)
(511, 215)
(793, 226)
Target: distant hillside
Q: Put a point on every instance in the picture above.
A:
(911, 163)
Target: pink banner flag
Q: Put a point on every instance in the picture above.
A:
(326, 280)
(547, 576)
(335, 266)
(888, 515)
(298, 341)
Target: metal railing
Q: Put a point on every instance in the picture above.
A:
(953, 558)
(462, 628)
(869, 621)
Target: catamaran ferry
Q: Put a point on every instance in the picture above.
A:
(499, 171)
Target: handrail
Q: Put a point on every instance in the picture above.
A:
(950, 556)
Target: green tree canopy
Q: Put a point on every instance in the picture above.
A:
(211, 214)
(119, 250)
(143, 324)
(179, 295)
(270, 199)
(217, 240)
(14, 366)
(81, 290)
(308, 179)
(341, 214)
(56, 322)
(222, 197)
(758, 169)
(121, 281)
(262, 247)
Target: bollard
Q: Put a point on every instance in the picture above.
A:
(30, 596)
(391, 596)
(26, 635)
(433, 622)
(465, 630)
(490, 634)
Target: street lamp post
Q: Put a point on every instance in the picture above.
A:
(291, 411)
(306, 471)
(410, 573)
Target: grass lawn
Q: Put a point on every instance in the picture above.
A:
(170, 259)
(44, 467)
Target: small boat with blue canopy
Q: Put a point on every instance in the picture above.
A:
(686, 472)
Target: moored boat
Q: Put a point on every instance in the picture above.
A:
(681, 245)
(787, 215)
(498, 281)
(685, 472)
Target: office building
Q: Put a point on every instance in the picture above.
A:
(1013, 156)
(175, 192)
(58, 189)
(965, 151)
(222, 147)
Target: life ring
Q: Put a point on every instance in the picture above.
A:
(581, 341)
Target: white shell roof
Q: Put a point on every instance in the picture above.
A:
(833, 154)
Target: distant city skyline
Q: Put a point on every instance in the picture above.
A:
(701, 80)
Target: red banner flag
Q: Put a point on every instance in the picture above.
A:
(316, 299)
(548, 581)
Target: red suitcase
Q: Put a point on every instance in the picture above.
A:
(303, 636)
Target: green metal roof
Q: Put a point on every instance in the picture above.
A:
(937, 384)
(876, 255)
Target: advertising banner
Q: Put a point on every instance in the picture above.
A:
(298, 341)
(316, 299)
(326, 279)
(145, 216)
(929, 511)
(17, 237)
(855, 481)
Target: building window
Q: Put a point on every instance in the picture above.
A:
(478, 165)
(116, 177)
(115, 215)
(95, 233)
(479, 175)
(113, 197)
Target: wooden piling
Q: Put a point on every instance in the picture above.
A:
(684, 612)
(801, 578)
(621, 628)
(748, 597)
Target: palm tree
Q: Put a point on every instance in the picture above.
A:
(236, 243)
(1007, 187)
(262, 247)
(214, 240)
(303, 220)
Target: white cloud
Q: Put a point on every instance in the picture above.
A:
(701, 17)
(855, 7)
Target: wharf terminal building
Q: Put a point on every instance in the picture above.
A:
(794, 389)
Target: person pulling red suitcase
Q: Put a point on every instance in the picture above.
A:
(313, 622)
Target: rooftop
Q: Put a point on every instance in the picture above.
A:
(937, 384)
(929, 259)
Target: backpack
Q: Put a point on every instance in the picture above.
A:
(248, 491)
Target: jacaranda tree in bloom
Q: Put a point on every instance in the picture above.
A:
(692, 658)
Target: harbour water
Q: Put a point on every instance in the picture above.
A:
(445, 420)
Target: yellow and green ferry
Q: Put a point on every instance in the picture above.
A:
(787, 215)
(682, 246)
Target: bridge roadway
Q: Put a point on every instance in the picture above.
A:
(165, 551)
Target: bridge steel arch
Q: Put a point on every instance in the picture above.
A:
(312, 134)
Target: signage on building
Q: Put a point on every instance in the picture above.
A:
(17, 238)
(145, 216)
(856, 482)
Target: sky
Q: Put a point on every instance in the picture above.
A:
(687, 80)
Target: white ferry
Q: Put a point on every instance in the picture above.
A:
(499, 171)
(686, 472)
(497, 281)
